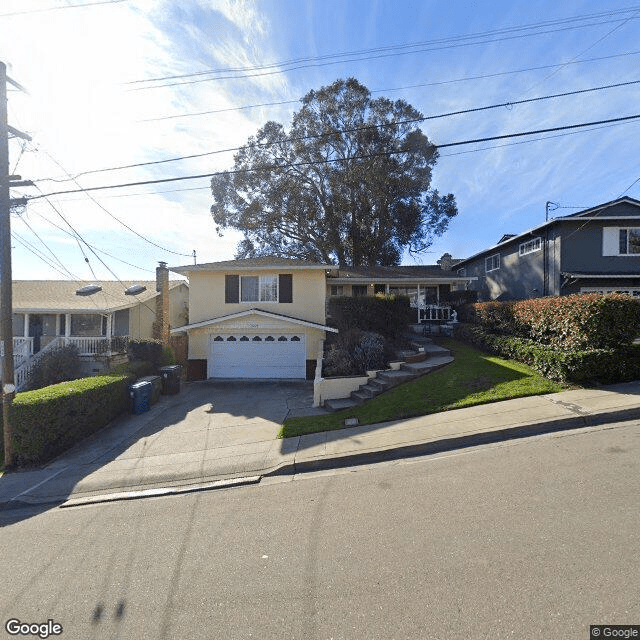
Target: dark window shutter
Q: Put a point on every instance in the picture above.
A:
(285, 287)
(232, 288)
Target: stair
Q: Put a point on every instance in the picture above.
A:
(417, 363)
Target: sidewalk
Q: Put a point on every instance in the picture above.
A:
(131, 456)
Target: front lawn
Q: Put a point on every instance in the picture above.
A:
(472, 378)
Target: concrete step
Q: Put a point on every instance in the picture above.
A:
(370, 390)
(382, 385)
(431, 364)
(340, 403)
(396, 377)
(360, 396)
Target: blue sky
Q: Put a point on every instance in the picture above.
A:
(83, 114)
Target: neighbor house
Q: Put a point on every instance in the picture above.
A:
(255, 318)
(49, 313)
(594, 250)
(427, 286)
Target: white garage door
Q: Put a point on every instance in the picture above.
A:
(263, 355)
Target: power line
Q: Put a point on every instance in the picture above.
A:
(124, 224)
(29, 247)
(64, 6)
(320, 162)
(411, 86)
(333, 132)
(383, 52)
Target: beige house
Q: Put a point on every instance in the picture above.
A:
(255, 318)
(47, 313)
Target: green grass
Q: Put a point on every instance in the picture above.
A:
(472, 378)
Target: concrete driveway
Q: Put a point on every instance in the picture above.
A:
(212, 430)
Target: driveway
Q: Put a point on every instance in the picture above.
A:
(212, 430)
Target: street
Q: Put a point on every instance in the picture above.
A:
(534, 538)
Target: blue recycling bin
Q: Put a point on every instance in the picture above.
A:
(140, 394)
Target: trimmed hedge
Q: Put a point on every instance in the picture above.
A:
(386, 315)
(48, 421)
(575, 322)
(604, 366)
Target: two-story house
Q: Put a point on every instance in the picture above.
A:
(594, 250)
(255, 318)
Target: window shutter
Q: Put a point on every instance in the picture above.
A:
(610, 241)
(285, 286)
(231, 288)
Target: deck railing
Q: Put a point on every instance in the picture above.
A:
(434, 313)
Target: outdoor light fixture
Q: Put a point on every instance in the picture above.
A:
(88, 290)
(134, 290)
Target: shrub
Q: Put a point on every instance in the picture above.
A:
(354, 352)
(48, 421)
(580, 366)
(576, 322)
(387, 315)
(149, 355)
(58, 365)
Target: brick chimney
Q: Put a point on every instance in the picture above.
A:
(161, 323)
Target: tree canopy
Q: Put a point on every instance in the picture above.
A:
(349, 183)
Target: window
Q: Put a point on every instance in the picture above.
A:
(337, 290)
(535, 244)
(492, 262)
(462, 272)
(359, 290)
(269, 288)
(87, 324)
(629, 241)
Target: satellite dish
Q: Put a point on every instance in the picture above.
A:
(134, 290)
(88, 290)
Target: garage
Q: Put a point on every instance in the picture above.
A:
(263, 355)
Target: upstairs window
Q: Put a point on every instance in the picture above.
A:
(267, 288)
(535, 244)
(630, 241)
(492, 262)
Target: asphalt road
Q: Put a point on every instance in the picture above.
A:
(534, 538)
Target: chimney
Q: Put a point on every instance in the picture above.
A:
(161, 323)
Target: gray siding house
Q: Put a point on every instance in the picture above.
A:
(597, 249)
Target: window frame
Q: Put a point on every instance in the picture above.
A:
(626, 232)
(494, 258)
(530, 246)
(262, 288)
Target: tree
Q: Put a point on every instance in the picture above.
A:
(349, 183)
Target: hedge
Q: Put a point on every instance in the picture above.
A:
(386, 315)
(604, 366)
(48, 421)
(575, 322)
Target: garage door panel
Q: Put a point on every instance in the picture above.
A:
(257, 359)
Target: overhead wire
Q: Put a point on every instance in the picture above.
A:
(64, 6)
(326, 134)
(412, 86)
(330, 161)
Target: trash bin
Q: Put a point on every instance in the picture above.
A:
(140, 394)
(156, 387)
(171, 379)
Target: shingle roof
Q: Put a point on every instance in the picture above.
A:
(407, 271)
(265, 262)
(60, 295)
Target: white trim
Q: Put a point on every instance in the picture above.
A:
(492, 258)
(601, 275)
(535, 245)
(259, 312)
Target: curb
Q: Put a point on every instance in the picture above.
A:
(453, 443)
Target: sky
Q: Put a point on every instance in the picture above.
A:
(102, 93)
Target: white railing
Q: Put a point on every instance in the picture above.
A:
(89, 345)
(22, 350)
(21, 373)
(434, 312)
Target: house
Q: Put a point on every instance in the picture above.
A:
(255, 318)
(49, 313)
(427, 286)
(594, 250)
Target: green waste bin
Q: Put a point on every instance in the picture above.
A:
(171, 379)
(140, 394)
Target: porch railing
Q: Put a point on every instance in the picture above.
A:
(434, 313)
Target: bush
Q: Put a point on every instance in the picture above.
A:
(388, 316)
(48, 421)
(353, 353)
(148, 356)
(58, 365)
(576, 322)
(605, 366)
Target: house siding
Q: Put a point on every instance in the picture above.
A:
(207, 299)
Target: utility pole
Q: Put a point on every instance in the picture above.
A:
(6, 301)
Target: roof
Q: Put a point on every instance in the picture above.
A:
(398, 274)
(252, 311)
(573, 217)
(48, 296)
(265, 263)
